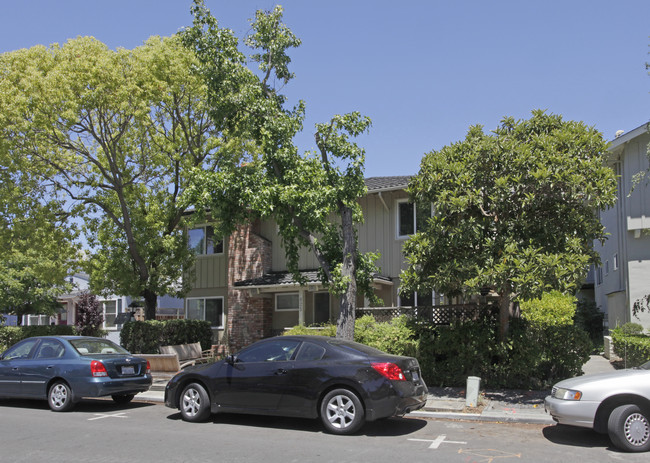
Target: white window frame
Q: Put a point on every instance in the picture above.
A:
(223, 311)
(117, 312)
(606, 267)
(615, 261)
(290, 309)
(216, 244)
(415, 216)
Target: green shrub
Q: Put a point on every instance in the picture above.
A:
(320, 330)
(634, 349)
(10, 335)
(187, 332)
(590, 319)
(145, 337)
(533, 356)
(632, 329)
(394, 337)
(553, 308)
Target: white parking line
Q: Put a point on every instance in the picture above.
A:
(99, 416)
(441, 439)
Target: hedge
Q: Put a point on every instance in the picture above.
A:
(634, 349)
(534, 356)
(145, 337)
(10, 335)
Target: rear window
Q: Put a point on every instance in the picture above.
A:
(355, 347)
(97, 346)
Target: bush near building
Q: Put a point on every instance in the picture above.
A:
(533, 356)
(145, 337)
(631, 344)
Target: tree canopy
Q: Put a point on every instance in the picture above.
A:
(515, 211)
(312, 197)
(117, 131)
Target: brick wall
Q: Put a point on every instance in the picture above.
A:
(249, 318)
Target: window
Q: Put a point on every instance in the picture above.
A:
(606, 267)
(599, 276)
(209, 309)
(279, 350)
(615, 259)
(201, 241)
(310, 352)
(410, 219)
(287, 301)
(38, 320)
(416, 299)
(50, 349)
(110, 313)
(21, 350)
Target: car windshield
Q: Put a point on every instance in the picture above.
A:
(97, 346)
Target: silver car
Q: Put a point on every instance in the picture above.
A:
(616, 403)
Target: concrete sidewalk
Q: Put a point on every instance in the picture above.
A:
(502, 405)
(449, 403)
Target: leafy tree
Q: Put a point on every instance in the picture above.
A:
(90, 317)
(37, 238)
(313, 197)
(514, 211)
(118, 132)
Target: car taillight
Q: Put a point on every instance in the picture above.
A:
(390, 371)
(148, 367)
(97, 368)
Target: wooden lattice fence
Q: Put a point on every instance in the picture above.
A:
(434, 315)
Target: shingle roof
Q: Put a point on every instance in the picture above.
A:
(287, 279)
(377, 184)
(280, 279)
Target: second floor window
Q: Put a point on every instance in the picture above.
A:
(410, 219)
(201, 241)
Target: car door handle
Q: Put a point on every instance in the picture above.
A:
(280, 372)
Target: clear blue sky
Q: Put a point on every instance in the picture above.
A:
(424, 71)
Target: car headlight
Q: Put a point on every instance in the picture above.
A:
(567, 394)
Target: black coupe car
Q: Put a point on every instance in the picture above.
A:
(342, 382)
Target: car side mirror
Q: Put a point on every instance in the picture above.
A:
(232, 359)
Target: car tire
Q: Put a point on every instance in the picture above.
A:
(122, 398)
(629, 428)
(341, 412)
(195, 403)
(59, 397)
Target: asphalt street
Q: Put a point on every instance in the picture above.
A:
(101, 431)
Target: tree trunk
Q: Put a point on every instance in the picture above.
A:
(150, 303)
(504, 314)
(345, 323)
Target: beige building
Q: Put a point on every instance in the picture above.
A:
(243, 287)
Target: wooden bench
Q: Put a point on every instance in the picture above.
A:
(188, 354)
(166, 363)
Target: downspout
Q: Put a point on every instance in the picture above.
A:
(381, 198)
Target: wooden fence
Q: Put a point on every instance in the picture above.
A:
(434, 315)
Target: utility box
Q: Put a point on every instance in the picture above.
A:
(472, 391)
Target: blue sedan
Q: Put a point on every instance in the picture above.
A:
(65, 369)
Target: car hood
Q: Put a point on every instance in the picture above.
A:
(597, 386)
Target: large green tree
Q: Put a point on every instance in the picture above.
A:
(515, 211)
(312, 197)
(37, 239)
(118, 131)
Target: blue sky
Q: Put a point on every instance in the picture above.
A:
(423, 71)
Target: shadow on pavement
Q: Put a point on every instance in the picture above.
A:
(576, 437)
(386, 427)
(84, 406)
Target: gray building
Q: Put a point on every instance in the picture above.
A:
(624, 274)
